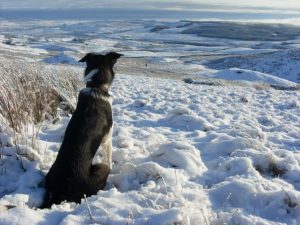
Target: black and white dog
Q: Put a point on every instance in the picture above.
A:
(72, 175)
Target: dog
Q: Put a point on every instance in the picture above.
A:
(73, 175)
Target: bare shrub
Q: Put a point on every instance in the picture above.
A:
(24, 98)
(31, 93)
(64, 80)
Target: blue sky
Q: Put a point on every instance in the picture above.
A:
(284, 6)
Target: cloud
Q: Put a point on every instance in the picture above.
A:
(227, 5)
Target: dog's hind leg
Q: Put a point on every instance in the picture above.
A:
(107, 148)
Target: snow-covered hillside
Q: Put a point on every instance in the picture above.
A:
(206, 122)
(183, 154)
(283, 64)
(178, 47)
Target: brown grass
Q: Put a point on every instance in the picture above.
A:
(31, 93)
(24, 98)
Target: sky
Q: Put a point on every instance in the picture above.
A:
(284, 6)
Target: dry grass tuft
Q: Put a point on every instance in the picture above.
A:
(32, 93)
(25, 98)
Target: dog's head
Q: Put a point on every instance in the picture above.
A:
(99, 69)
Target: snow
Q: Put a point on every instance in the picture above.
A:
(64, 41)
(182, 153)
(251, 76)
(283, 64)
(17, 49)
(61, 58)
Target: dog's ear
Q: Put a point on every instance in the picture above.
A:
(113, 56)
(85, 58)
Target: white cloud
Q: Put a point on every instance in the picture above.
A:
(161, 4)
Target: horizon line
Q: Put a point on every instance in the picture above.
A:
(216, 10)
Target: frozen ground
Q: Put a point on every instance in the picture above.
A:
(183, 153)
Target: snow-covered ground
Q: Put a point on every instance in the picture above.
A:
(183, 154)
(284, 64)
(222, 150)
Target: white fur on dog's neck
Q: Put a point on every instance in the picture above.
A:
(89, 91)
(89, 76)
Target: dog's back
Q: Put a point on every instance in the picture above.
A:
(72, 174)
